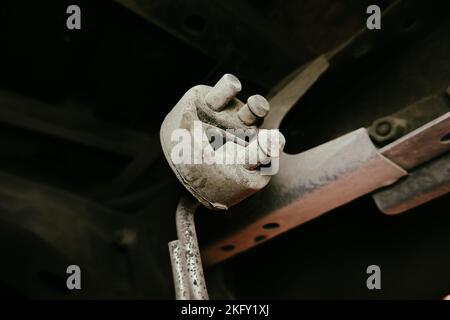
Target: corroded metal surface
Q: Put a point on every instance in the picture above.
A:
(323, 178)
(389, 128)
(420, 145)
(216, 176)
(180, 279)
(187, 267)
(426, 182)
(308, 185)
(422, 185)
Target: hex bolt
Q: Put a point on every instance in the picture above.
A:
(387, 129)
(269, 144)
(224, 90)
(383, 128)
(257, 107)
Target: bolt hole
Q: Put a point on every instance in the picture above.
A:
(446, 138)
(272, 225)
(195, 24)
(228, 248)
(260, 238)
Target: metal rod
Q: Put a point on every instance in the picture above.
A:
(178, 261)
(188, 239)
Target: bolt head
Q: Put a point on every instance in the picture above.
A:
(384, 128)
(258, 105)
(271, 142)
(225, 89)
(387, 129)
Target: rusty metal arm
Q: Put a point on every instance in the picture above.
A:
(308, 185)
(328, 176)
(426, 182)
(187, 269)
(321, 179)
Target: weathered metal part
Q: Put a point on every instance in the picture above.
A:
(308, 185)
(258, 105)
(320, 194)
(178, 262)
(214, 175)
(420, 186)
(190, 250)
(425, 183)
(387, 129)
(420, 145)
(256, 108)
(226, 119)
(248, 207)
(216, 185)
(223, 91)
(277, 216)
